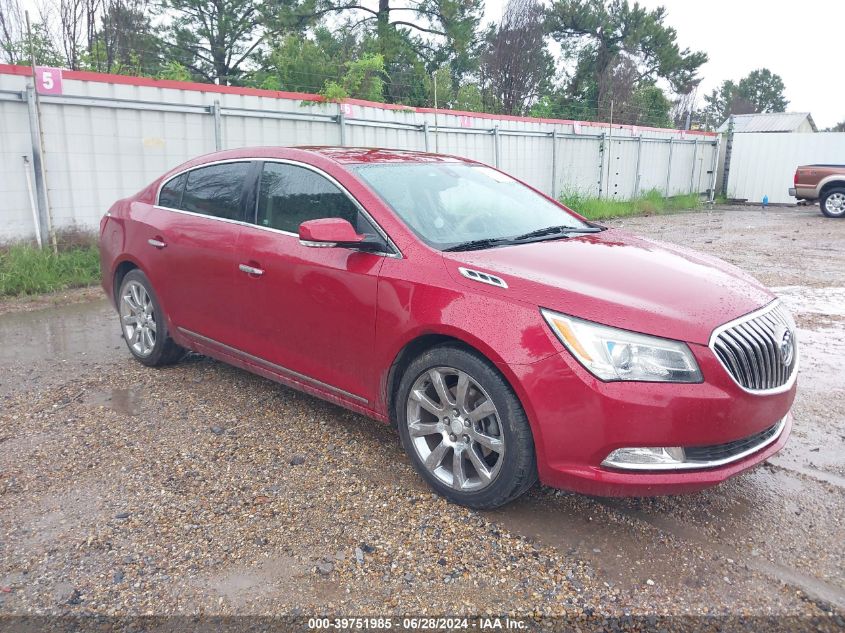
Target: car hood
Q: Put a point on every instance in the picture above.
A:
(621, 280)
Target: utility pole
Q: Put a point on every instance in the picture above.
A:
(609, 148)
(37, 133)
(729, 141)
(436, 130)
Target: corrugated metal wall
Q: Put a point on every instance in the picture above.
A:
(105, 139)
(763, 164)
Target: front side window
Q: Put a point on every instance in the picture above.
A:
(447, 204)
(289, 195)
(215, 190)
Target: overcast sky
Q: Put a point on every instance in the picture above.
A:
(802, 41)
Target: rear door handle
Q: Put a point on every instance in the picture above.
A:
(157, 243)
(250, 270)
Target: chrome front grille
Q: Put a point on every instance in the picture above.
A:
(759, 350)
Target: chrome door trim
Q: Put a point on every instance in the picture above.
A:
(156, 243)
(273, 366)
(396, 254)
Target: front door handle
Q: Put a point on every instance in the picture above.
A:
(250, 270)
(156, 242)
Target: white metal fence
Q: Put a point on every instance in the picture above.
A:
(763, 164)
(105, 137)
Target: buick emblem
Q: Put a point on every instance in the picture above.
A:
(786, 345)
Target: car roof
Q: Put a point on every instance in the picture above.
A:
(341, 155)
(378, 155)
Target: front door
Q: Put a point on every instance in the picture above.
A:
(309, 310)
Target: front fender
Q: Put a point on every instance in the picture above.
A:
(506, 331)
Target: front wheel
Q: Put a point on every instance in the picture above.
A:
(143, 324)
(464, 428)
(832, 203)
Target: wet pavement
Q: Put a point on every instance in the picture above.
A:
(176, 490)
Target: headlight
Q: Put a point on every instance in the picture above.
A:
(613, 354)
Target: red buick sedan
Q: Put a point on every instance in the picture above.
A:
(507, 337)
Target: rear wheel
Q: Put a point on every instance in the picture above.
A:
(464, 429)
(832, 203)
(143, 324)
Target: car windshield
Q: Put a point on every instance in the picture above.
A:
(452, 205)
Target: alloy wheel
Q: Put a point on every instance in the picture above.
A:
(835, 203)
(455, 429)
(137, 317)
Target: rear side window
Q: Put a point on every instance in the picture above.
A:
(215, 190)
(171, 192)
(290, 195)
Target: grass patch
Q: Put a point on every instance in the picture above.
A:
(650, 203)
(26, 270)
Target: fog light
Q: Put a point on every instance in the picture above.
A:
(645, 457)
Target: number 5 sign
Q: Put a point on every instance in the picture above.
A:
(48, 81)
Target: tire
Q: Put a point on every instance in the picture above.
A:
(832, 202)
(490, 432)
(143, 324)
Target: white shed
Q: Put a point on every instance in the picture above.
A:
(771, 122)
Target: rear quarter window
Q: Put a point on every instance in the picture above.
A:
(171, 193)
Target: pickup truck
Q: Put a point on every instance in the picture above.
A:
(825, 183)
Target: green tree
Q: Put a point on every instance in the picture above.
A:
(839, 127)
(175, 71)
(216, 39)
(650, 106)
(412, 36)
(602, 34)
(125, 42)
(760, 91)
(44, 50)
(364, 79)
(516, 66)
(295, 63)
(469, 98)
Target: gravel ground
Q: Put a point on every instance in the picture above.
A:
(201, 489)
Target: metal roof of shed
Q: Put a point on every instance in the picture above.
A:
(769, 122)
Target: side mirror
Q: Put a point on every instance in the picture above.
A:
(335, 233)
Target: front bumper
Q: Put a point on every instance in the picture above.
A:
(579, 420)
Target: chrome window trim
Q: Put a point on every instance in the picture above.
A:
(396, 254)
(270, 365)
(749, 317)
(702, 465)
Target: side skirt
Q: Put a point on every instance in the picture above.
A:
(276, 373)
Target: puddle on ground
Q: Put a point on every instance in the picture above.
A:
(821, 352)
(63, 333)
(804, 300)
(125, 401)
(619, 553)
(40, 347)
(280, 576)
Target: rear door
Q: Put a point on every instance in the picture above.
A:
(200, 215)
(311, 311)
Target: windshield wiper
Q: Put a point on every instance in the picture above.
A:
(489, 242)
(557, 230)
(474, 245)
